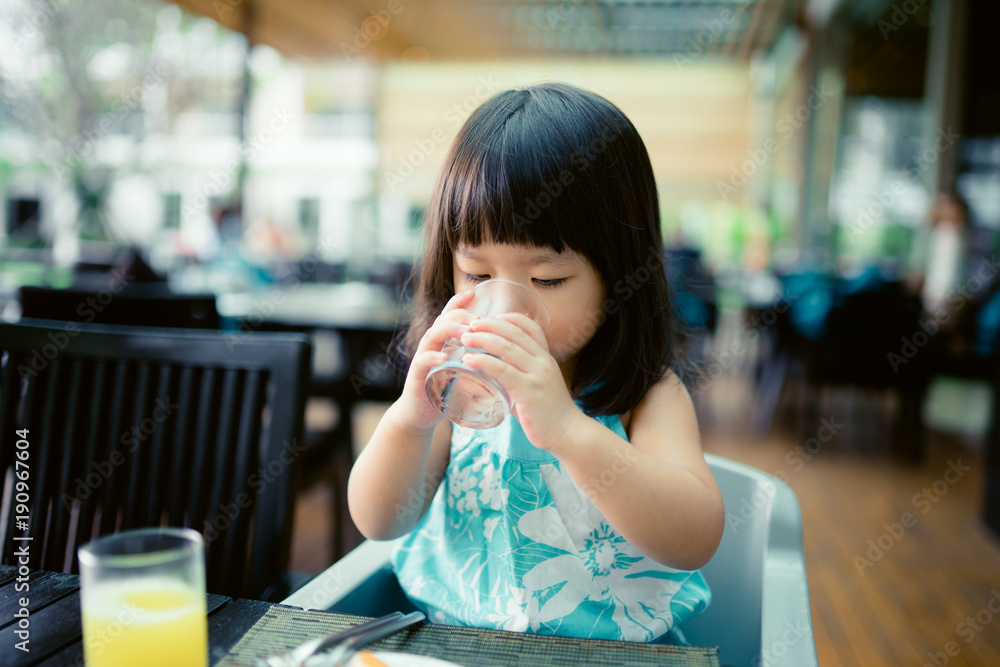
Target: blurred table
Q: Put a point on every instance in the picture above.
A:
(353, 325)
(337, 306)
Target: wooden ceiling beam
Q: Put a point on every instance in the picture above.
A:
(732, 46)
(746, 45)
(450, 29)
(769, 36)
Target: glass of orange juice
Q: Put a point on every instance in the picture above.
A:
(143, 599)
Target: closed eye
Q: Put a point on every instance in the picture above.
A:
(553, 282)
(477, 278)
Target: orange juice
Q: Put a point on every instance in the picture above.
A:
(144, 622)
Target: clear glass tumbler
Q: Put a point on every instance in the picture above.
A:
(468, 397)
(143, 599)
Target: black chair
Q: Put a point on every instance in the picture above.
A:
(130, 427)
(133, 304)
(859, 329)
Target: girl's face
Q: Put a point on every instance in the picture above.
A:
(570, 288)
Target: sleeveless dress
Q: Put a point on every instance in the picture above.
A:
(511, 542)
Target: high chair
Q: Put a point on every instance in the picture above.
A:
(759, 613)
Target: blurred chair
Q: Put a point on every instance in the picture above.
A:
(760, 596)
(693, 287)
(323, 272)
(840, 333)
(790, 324)
(371, 369)
(971, 351)
(131, 427)
(394, 275)
(135, 304)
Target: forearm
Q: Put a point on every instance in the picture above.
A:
(391, 483)
(664, 510)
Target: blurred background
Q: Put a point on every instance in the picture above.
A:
(829, 181)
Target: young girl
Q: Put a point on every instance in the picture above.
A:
(589, 510)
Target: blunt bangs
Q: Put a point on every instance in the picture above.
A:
(509, 183)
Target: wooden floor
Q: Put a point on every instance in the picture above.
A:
(901, 570)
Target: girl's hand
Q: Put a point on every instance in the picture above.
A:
(413, 406)
(522, 364)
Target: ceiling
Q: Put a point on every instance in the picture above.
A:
(390, 30)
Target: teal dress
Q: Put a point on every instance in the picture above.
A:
(511, 542)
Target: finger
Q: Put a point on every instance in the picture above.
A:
(500, 347)
(451, 323)
(495, 367)
(517, 332)
(423, 362)
(455, 311)
(460, 300)
(440, 332)
(528, 325)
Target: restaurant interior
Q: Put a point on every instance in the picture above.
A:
(258, 171)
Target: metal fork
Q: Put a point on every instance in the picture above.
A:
(344, 651)
(358, 635)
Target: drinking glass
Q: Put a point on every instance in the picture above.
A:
(143, 599)
(469, 397)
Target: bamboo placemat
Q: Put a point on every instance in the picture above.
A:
(283, 628)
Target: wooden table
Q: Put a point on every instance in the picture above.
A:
(55, 638)
(240, 630)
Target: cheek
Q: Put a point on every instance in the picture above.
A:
(569, 335)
